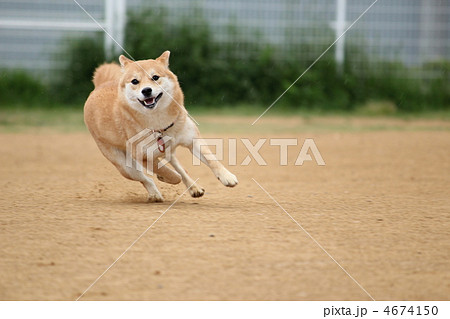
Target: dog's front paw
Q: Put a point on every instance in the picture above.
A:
(196, 191)
(155, 198)
(227, 178)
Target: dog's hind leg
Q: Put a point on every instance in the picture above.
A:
(165, 174)
(134, 172)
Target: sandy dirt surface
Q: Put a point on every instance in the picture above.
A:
(380, 207)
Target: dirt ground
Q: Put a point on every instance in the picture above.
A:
(380, 206)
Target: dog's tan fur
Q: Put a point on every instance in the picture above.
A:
(113, 115)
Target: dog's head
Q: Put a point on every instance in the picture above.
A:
(148, 84)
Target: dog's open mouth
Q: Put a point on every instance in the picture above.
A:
(151, 101)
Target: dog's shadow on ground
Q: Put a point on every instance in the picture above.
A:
(185, 201)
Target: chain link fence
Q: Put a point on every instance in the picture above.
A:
(34, 33)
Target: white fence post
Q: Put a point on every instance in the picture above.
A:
(115, 20)
(109, 27)
(121, 13)
(341, 8)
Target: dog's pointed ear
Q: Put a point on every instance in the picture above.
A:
(164, 58)
(124, 61)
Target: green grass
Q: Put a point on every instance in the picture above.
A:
(366, 110)
(238, 119)
(21, 118)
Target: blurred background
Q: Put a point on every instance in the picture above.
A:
(235, 54)
(376, 104)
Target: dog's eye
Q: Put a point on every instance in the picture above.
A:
(134, 81)
(155, 78)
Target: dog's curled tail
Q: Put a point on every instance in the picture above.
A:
(105, 73)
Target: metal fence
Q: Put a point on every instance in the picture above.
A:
(33, 33)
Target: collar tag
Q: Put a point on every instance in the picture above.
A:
(161, 144)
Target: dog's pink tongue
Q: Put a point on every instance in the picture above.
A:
(149, 101)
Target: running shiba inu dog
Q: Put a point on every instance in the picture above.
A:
(146, 96)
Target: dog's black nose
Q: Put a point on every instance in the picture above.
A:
(146, 91)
